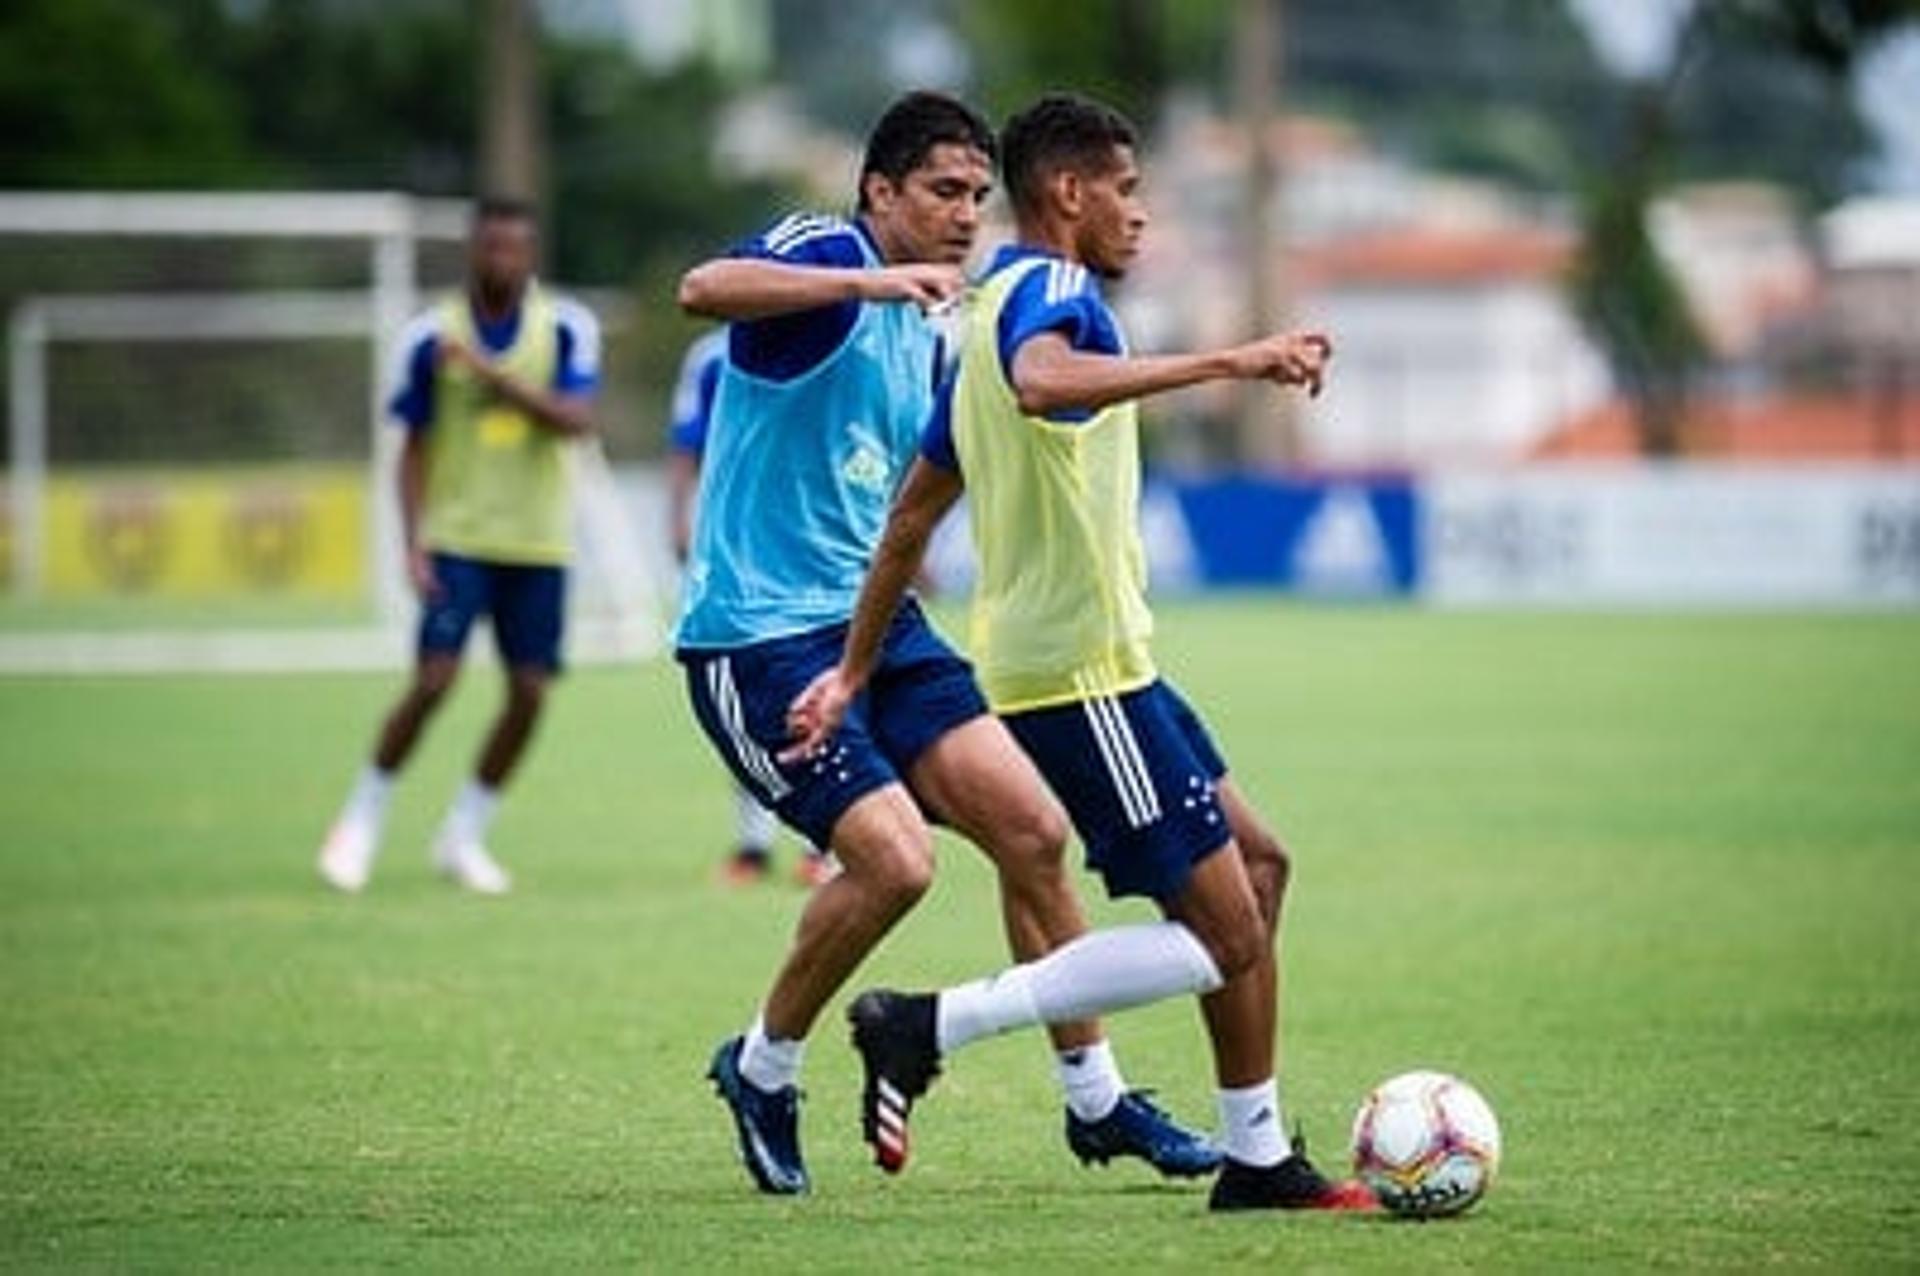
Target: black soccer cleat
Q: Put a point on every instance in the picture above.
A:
(894, 1033)
(1139, 1127)
(768, 1124)
(1291, 1185)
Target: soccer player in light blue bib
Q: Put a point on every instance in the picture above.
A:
(1039, 425)
(819, 408)
(751, 857)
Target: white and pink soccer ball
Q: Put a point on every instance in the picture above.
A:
(1427, 1144)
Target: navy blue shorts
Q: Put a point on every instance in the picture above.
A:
(526, 603)
(920, 690)
(1137, 775)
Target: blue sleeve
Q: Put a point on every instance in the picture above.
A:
(412, 401)
(936, 445)
(577, 370)
(693, 404)
(787, 346)
(1062, 298)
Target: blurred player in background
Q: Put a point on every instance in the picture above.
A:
(497, 387)
(825, 389)
(751, 859)
(1039, 423)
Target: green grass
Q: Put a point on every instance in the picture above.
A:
(1650, 882)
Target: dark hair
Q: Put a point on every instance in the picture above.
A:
(504, 208)
(1061, 130)
(912, 127)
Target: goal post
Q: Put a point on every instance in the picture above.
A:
(201, 339)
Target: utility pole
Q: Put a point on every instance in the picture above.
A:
(512, 123)
(1268, 432)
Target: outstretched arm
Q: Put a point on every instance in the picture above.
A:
(745, 288)
(1050, 376)
(929, 492)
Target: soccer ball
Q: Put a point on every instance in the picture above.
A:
(1426, 1143)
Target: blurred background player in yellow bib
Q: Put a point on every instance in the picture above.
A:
(496, 390)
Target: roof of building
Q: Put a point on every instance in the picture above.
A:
(1433, 257)
(1780, 428)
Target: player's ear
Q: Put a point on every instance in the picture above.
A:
(1069, 191)
(878, 192)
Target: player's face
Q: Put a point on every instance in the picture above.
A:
(1112, 216)
(502, 255)
(934, 213)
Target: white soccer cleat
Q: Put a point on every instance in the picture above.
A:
(467, 864)
(346, 858)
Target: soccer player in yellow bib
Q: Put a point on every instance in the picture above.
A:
(496, 390)
(1039, 427)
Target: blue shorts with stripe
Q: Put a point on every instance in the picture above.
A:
(526, 602)
(921, 689)
(1137, 774)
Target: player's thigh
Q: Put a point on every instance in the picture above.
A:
(529, 618)
(1260, 848)
(976, 780)
(882, 838)
(1138, 795)
(740, 698)
(463, 592)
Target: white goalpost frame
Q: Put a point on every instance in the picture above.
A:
(394, 223)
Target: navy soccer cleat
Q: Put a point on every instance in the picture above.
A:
(894, 1033)
(1139, 1127)
(768, 1124)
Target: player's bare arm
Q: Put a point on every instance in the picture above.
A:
(924, 500)
(1049, 375)
(413, 496)
(568, 415)
(733, 288)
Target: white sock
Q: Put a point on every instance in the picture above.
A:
(770, 1063)
(756, 823)
(368, 800)
(1091, 1080)
(1252, 1126)
(471, 812)
(1102, 971)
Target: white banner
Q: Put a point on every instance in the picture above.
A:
(1684, 535)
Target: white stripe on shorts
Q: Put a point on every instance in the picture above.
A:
(756, 761)
(1121, 752)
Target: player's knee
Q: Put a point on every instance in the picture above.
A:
(1268, 870)
(905, 873)
(431, 684)
(1031, 844)
(526, 692)
(1237, 948)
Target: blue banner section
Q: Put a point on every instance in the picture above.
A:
(1328, 536)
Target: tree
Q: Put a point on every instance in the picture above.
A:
(1623, 288)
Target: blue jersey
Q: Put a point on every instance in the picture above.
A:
(693, 394)
(815, 419)
(577, 371)
(1063, 298)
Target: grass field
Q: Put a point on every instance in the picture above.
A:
(1651, 882)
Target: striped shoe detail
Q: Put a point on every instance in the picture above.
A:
(891, 1144)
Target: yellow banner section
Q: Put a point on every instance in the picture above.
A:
(208, 533)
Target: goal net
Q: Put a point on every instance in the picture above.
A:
(199, 473)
